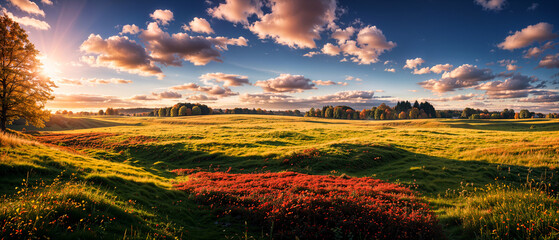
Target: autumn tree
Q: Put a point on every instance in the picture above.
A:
(329, 113)
(414, 113)
(402, 115)
(23, 90)
(196, 110)
(525, 114)
(175, 111)
(182, 111)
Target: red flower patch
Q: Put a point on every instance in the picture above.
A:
(315, 206)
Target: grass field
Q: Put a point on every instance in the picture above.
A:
(486, 179)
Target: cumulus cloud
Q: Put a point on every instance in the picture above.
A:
(516, 82)
(286, 83)
(540, 32)
(216, 91)
(202, 98)
(295, 23)
(419, 71)
(352, 98)
(228, 80)
(47, 2)
(533, 52)
(130, 29)
(119, 53)
(462, 77)
(370, 44)
(331, 49)
(509, 64)
(237, 11)
(343, 35)
(27, 21)
(157, 96)
(171, 49)
(439, 68)
(515, 86)
(390, 70)
(545, 98)
(494, 5)
(414, 63)
(199, 25)
(549, 61)
(328, 83)
(162, 16)
(28, 7)
(167, 94)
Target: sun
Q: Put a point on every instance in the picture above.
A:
(49, 68)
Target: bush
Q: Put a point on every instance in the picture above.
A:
(304, 206)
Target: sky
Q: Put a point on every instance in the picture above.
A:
(291, 54)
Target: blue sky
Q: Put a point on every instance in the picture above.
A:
(481, 48)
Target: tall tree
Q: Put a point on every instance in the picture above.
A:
(23, 90)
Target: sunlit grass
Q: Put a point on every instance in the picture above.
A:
(130, 158)
(504, 212)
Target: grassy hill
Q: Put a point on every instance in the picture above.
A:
(84, 175)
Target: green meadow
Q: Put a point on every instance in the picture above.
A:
(110, 177)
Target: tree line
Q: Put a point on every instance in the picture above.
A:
(402, 110)
(470, 113)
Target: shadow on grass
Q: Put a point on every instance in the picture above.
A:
(431, 175)
(531, 125)
(60, 123)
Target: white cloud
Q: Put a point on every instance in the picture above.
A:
(390, 70)
(295, 23)
(216, 91)
(120, 53)
(461, 77)
(549, 61)
(130, 29)
(227, 79)
(199, 25)
(237, 11)
(162, 16)
(28, 7)
(286, 83)
(27, 21)
(419, 71)
(328, 83)
(172, 49)
(414, 63)
(525, 37)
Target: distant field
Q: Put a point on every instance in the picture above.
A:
(115, 174)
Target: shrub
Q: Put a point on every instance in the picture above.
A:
(315, 206)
